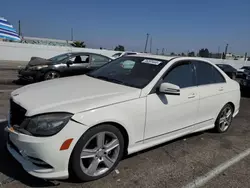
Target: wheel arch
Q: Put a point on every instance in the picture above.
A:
(121, 129)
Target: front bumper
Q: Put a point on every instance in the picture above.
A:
(41, 156)
(29, 75)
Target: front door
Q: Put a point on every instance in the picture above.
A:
(171, 113)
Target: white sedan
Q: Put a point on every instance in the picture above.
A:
(84, 125)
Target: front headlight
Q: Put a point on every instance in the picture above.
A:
(46, 124)
(38, 67)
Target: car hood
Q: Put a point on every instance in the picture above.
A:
(38, 61)
(72, 94)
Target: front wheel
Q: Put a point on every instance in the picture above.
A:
(224, 119)
(97, 153)
(51, 75)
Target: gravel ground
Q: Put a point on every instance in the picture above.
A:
(173, 164)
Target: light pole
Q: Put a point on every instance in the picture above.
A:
(145, 49)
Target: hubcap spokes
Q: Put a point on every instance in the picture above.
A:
(52, 75)
(225, 119)
(99, 154)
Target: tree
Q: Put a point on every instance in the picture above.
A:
(119, 48)
(182, 54)
(204, 52)
(173, 54)
(191, 54)
(78, 44)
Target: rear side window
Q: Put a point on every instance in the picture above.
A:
(207, 74)
(182, 75)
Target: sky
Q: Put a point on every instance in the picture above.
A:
(175, 25)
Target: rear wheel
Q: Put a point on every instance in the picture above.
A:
(97, 153)
(51, 75)
(224, 119)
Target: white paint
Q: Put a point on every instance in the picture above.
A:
(202, 180)
(23, 52)
(110, 102)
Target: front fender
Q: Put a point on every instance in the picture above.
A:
(129, 114)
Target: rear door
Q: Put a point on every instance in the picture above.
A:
(211, 87)
(80, 63)
(98, 61)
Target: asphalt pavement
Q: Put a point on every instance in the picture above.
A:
(205, 159)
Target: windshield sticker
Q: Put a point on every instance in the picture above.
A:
(152, 62)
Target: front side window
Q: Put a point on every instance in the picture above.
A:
(207, 74)
(181, 75)
(130, 71)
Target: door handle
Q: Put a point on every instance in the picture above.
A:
(192, 95)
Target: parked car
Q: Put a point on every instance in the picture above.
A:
(243, 72)
(68, 64)
(120, 54)
(229, 70)
(88, 123)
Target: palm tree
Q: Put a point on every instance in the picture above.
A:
(78, 44)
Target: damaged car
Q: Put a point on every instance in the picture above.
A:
(68, 64)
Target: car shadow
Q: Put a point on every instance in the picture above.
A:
(21, 82)
(165, 143)
(12, 169)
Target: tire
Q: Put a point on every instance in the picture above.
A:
(96, 156)
(224, 119)
(51, 75)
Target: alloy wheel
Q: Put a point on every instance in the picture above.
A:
(52, 75)
(225, 119)
(99, 153)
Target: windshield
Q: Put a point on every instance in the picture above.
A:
(59, 57)
(130, 71)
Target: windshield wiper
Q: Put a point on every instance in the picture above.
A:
(109, 79)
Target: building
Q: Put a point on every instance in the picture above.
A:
(7, 31)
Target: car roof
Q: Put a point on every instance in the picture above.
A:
(93, 53)
(168, 58)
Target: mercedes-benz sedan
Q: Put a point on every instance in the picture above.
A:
(84, 125)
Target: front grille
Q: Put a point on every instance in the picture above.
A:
(17, 113)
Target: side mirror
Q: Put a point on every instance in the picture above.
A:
(168, 88)
(69, 63)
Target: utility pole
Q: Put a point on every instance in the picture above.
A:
(72, 34)
(19, 28)
(157, 50)
(162, 51)
(150, 44)
(226, 50)
(145, 49)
